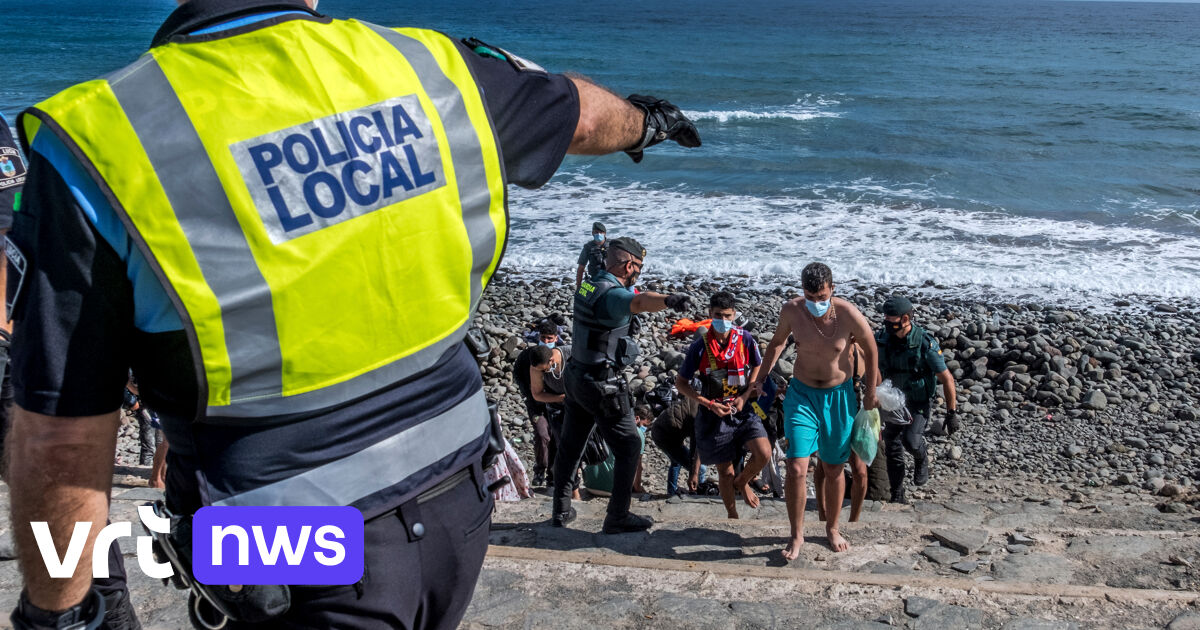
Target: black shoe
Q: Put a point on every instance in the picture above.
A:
(921, 472)
(539, 480)
(898, 496)
(629, 523)
(952, 426)
(562, 518)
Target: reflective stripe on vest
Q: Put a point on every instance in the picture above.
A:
(310, 264)
(379, 466)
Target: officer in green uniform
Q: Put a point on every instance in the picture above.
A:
(912, 359)
(597, 394)
(591, 257)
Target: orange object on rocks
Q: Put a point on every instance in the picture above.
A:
(684, 326)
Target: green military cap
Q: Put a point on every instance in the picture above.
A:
(630, 245)
(896, 306)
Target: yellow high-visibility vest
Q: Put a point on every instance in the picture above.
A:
(323, 200)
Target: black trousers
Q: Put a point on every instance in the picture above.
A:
(415, 578)
(898, 438)
(547, 432)
(588, 408)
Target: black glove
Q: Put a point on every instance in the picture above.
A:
(677, 302)
(664, 121)
(952, 424)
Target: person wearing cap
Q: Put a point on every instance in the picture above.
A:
(285, 224)
(591, 258)
(598, 396)
(910, 357)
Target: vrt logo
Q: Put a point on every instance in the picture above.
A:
(64, 567)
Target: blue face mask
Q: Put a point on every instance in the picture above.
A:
(721, 326)
(598, 237)
(548, 345)
(818, 309)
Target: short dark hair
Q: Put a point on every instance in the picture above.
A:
(815, 276)
(722, 299)
(547, 327)
(541, 355)
(643, 411)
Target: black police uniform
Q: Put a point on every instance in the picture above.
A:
(80, 321)
(593, 256)
(912, 364)
(597, 395)
(12, 176)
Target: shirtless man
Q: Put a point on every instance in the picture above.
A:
(820, 404)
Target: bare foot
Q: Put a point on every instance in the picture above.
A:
(792, 551)
(732, 513)
(749, 494)
(836, 542)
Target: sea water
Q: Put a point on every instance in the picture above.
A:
(1008, 147)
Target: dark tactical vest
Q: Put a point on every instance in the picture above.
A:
(903, 361)
(596, 255)
(594, 343)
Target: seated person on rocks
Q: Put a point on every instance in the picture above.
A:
(538, 373)
(728, 361)
(911, 358)
(674, 432)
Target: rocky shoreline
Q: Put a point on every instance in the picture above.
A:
(1080, 398)
(1083, 398)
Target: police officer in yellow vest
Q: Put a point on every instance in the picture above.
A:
(284, 224)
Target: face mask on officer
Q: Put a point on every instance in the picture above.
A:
(895, 326)
(633, 276)
(598, 236)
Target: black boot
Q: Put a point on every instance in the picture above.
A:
(629, 523)
(921, 471)
(563, 513)
(898, 495)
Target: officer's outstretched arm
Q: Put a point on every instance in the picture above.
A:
(609, 123)
(60, 472)
(650, 302)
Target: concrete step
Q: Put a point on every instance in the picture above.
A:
(1135, 547)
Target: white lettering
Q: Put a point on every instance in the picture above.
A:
(243, 541)
(282, 541)
(338, 549)
(70, 560)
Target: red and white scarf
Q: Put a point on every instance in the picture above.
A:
(733, 357)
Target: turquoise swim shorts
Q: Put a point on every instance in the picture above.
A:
(819, 420)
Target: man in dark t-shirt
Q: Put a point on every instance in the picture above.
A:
(727, 361)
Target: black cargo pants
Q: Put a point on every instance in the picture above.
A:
(898, 438)
(611, 414)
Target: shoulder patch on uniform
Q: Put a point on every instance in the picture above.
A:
(521, 64)
(16, 270)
